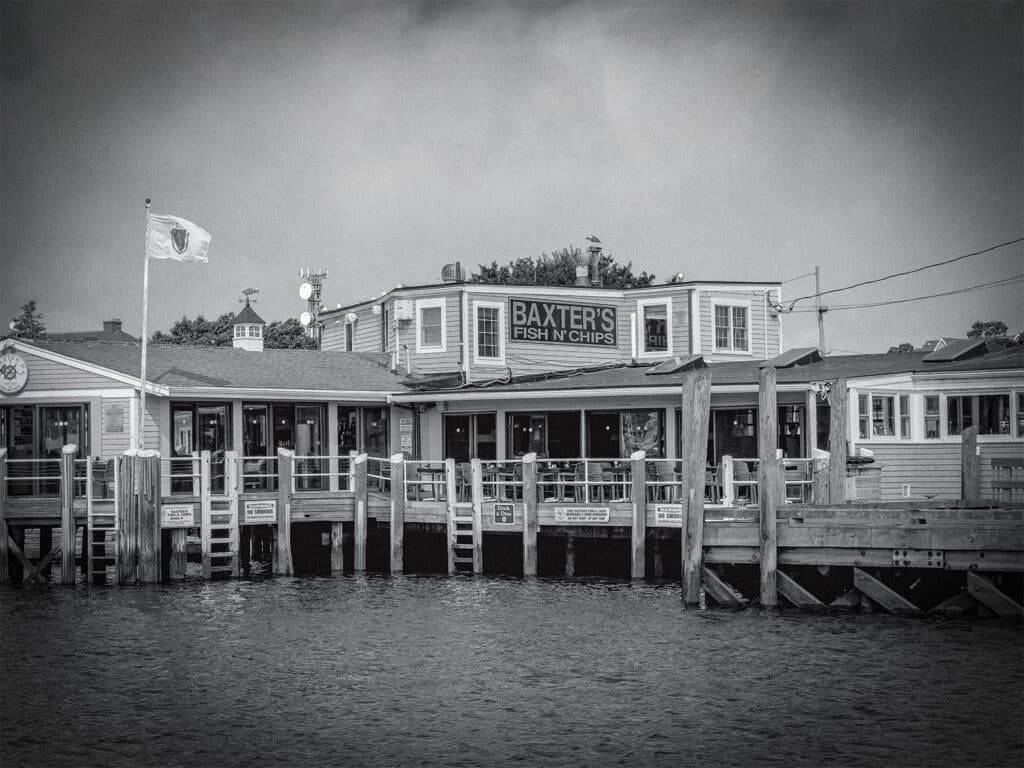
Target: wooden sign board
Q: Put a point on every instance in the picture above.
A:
(668, 515)
(582, 514)
(178, 516)
(504, 514)
(260, 511)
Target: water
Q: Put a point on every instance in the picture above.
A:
(492, 672)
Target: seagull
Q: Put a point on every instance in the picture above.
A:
(593, 239)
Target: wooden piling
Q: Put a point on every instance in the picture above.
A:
(768, 482)
(337, 553)
(531, 521)
(696, 411)
(128, 520)
(638, 557)
(477, 478)
(570, 556)
(148, 475)
(179, 553)
(970, 466)
(361, 503)
(837, 442)
(67, 514)
(819, 482)
(398, 468)
(5, 563)
(283, 546)
(205, 513)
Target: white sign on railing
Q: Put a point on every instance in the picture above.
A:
(260, 511)
(668, 515)
(582, 514)
(178, 515)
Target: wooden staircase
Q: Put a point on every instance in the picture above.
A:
(220, 538)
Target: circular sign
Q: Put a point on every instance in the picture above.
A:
(13, 372)
(305, 318)
(305, 291)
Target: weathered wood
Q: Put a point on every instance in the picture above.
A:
(885, 596)
(206, 514)
(721, 591)
(179, 556)
(638, 550)
(283, 547)
(796, 594)
(67, 515)
(397, 519)
(128, 520)
(361, 494)
(819, 482)
(989, 595)
(531, 523)
(959, 603)
(659, 560)
(970, 466)
(851, 598)
(337, 553)
(452, 488)
(5, 562)
(696, 412)
(837, 442)
(148, 474)
(477, 485)
(768, 482)
(570, 556)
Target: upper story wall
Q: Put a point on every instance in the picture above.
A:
(485, 330)
(737, 324)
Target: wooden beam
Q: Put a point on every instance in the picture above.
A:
(397, 519)
(530, 519)
(638, 551)
(970, 466)
(959, 603)
(768, 483)
(796, 594)
(885, 596)
(721, 591)
(283, 563)
(361, 494)
(67, 515)
(819, 482)
(696, 411)
(989, 595)
(851, 598)
(337, 553)
(837, 442)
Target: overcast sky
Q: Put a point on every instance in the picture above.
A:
(727, 141)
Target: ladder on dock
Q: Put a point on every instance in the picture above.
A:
(464, 539)
(220, 538)
(102, 531)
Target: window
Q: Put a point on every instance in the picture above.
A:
(470, 436)
(990, 412)
(1020, 414)
(555, 434)
(384, 316)
(732, 332)
(932, 419)
(490, 335)
(430, 335)
(655, 326)
(883, 416)
(350, 336)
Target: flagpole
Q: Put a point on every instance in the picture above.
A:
(145, 319)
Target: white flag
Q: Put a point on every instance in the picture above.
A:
(172, 237)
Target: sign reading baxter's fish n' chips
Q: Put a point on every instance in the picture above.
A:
(559, 322)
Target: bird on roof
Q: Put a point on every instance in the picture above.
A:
(593, 239)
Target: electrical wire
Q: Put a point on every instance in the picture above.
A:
(793, 302)
(798, 277)
(954, 292)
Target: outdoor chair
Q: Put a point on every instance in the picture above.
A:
(744, 483)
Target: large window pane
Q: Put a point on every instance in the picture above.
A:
(993, 414)
(931, 417)
(430, 327)
(488, 342)
(739, 328)
(655, 328)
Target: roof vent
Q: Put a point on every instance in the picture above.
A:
(453, 273)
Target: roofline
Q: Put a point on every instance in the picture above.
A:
(279, 393)
(582, 289)
(491, 394)
(99, 370)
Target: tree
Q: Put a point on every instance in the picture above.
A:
(994, 332)
(902, 349)
(280, 334)
(287, 334)
(559, 268)
(29, 323)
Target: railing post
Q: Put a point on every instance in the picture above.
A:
(283, 546)
(5, 566)
(970, 466)
(727, 475)
(696, 400)
(197, 483)
(837, 443)
(67, 513)
(768, 482)
(639, 493)
(477, 476)
(360, 513)
(397, 511)
(530, 519)
(351, 469)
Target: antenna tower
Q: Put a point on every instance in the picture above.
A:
(312, 285)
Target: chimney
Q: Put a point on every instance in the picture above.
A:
(595, 262)
(112, 326)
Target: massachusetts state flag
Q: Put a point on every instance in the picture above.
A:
(172, 237)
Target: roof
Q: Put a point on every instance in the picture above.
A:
(175, 365)
(248, 315)
(956, 349)
(101, 335)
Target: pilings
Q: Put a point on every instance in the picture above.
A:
(138, 507)
(638, 549)
(283, 545)
(696, 411)
(360, 493)
(837, 442)
(531, 521)
(768, 482)
(970, 470)
(398, 467)
(67, 513)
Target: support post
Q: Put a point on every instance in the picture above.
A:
(638, 558)
(530, 518)
(837, 443)
(477, 477)
(128, 520)
(970, 466)
(5, 563)
(67, 514)
(696, 410)
(888, 598)
(397, 512)
(819, 482)
(768, 482)
(728, 475)
(989, 595)
(205, 511)
(148, 474)
(283, 548)
(179, 555)
(570, 555)
(360, 502)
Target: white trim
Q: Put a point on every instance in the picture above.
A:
(68, 394)
(73, 362)
(641, 335)
(662, 391)
(438, 303)
(745, 303)
(500, 306)
(298, 395)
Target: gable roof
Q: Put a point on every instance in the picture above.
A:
(956, 349)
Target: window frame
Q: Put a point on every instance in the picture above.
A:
(731, 304)
(641, 331)
(424, 304)
(350, 336)
(897, 418)
(477, 358)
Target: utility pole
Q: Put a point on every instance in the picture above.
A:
(821, 310)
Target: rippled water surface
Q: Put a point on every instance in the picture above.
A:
(460, 672)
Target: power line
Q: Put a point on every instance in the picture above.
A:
(798, 277)
(956, 291)
(793, 302)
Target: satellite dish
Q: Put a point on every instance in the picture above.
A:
(305, 291)
(305, 318)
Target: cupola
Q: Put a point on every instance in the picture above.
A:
(248, 325)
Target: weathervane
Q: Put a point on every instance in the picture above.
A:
(248, 292)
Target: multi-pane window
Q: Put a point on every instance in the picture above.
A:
(905, 416)
(991, 413)
(881, 415)
(655, 328)
(489, 332)
(430, 325)
(731, 328)
(932, 419)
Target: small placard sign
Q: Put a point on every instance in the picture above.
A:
(406, 442)
(668, 515)
(260, 511)
(405, 425)
(504, 514)
(582, 514)
(177, 515)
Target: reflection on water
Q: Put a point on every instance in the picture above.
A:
(461, 672)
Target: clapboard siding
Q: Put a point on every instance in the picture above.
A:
(762, 325)
(115, 433)
(930, 469)
(49, 376)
